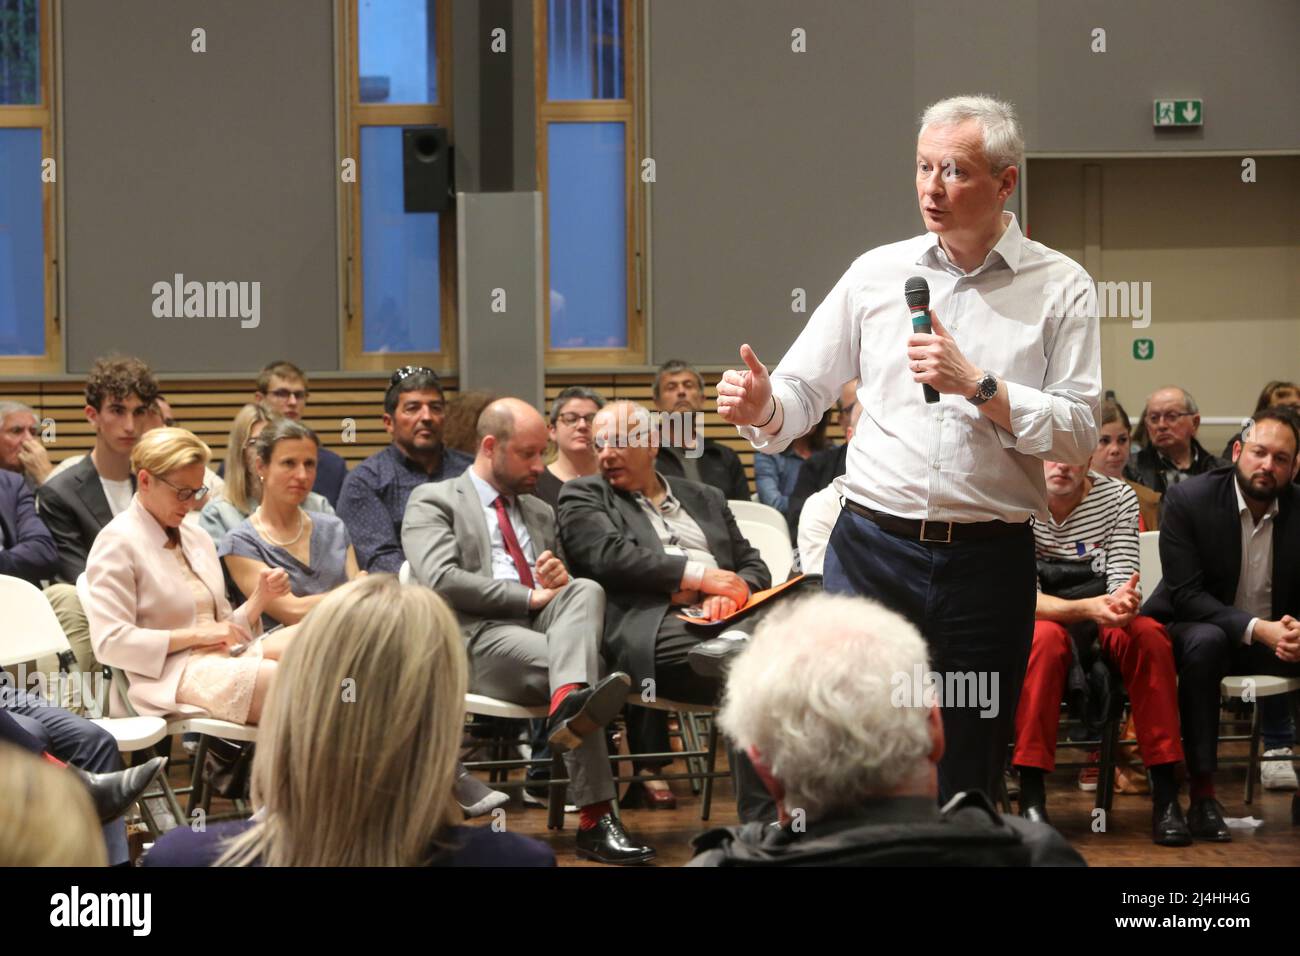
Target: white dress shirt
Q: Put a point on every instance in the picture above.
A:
(1255, 583)
(816, 522)
(503, 566)
(947, 461)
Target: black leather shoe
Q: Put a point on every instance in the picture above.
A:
(1035, 813)
(608, 842)
(585, 711)
(1205, 820)
(114, 792)
(711, 658)
(1169, 827)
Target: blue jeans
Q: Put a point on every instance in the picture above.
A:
(973, 602)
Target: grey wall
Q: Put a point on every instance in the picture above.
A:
(775, 169)
(218, 165)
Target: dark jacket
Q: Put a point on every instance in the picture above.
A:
(719, 466)
(74, 508)
(607, 537)
(906, 831)
(29, 552)
(1200, 554)
(1146, 468)
(816, 473)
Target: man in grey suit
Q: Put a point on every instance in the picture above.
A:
(488, 547)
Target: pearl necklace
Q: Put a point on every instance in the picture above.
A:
(280, 544)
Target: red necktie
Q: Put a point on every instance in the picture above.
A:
(512, 543)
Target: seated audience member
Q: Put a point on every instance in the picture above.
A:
(817, 518)
(243, 487)
(27, 548)
(679, 390)
(814, 701)
(33, 724)
(1172, 453)
(157, 598)
(775, 475)
(1275, 394)
(49, 819)
(658, 546)
(460, 423)
(572, 413)
(826, 465)
(488, 547)
(365, 781)
(1111, 457)
(1087, 553)
(282, 387)
(1230, 554)
(374, 495)
(313, 550)
(21, 448)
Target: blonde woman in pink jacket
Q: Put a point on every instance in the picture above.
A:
(157, 602)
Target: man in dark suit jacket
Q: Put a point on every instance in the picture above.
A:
(657, 546)
(1230, 555)
(489, 547)
(679, 391)
(27, 549)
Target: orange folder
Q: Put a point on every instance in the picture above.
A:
(755, 599)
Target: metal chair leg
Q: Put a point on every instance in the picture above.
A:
(196, 779)
(706, 802)
(555, 794)
(1252, 768)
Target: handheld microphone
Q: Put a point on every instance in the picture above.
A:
(917, 292)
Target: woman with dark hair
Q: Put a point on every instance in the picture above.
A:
(460, 427)
(1112, 454)
(1274, 395)
(572, 413)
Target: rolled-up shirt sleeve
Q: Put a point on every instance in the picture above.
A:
(809, 378)
(1059, 421)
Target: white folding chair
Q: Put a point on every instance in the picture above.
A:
(485, 706)
(758, 513)
(701, 762)
(1257, 686)
(773, 545)
(32, 631)
(1149, 561)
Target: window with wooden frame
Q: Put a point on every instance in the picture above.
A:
(30, 337)
(400, 274)
(587, 171)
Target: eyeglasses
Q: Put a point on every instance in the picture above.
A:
(1155, 418)
(185, 494)
(406, 371)
(284, 394)
(572, 418)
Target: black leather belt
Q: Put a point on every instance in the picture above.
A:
(936, 532)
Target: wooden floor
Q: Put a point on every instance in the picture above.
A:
(1126, 841)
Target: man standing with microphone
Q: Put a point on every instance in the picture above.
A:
(941, 485)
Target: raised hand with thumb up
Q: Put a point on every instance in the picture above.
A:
(745, 398)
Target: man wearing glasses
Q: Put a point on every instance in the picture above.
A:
(282, 387)
(373, 500)
(1172, 452)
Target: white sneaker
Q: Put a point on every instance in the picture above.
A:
(1278, 774)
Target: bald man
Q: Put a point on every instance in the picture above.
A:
(489, 547)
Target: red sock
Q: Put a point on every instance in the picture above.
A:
(53, 759)
(590, 815)
(561, 693)
(1202, 786)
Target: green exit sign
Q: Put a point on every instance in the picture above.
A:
(1144, 350)
(1179, 113)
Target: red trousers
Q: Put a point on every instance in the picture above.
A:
(1144, 656)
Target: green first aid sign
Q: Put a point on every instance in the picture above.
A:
(1178, 113)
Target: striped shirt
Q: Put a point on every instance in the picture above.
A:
(1102, 529)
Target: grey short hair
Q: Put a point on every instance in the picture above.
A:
(1189, 403)
(1004, 143)
(672, 367)
(8, 408)
(814, 694)
(572, 393)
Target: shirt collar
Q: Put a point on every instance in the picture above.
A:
(486, 493)
(669, 502)
(1243, 508)
(403, 460)
(1008, 248)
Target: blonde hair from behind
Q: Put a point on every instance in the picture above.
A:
(49, 819)
(357, 748)
(238, 478)
(161, 451)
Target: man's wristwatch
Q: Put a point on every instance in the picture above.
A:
(987, 388)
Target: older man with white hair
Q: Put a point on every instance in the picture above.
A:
(831, 721)
(941, 483)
